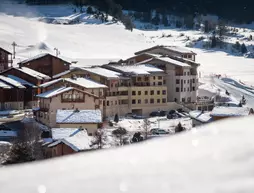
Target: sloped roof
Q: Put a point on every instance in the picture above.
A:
(61, 133)
(21, 81)
(103, 72)
(78, 142)
(11, 82)
(4, 85)
(54, 92)
(5, 50)
(203, 117)
(41, 56)
(33, 73)
(80, 116)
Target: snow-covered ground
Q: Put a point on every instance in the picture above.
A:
(215, 158)
(92, 43)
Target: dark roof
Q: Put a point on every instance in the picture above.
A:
(5, 50)
(39, 56)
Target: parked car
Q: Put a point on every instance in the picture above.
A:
(162, 113)
(171, 112)
(154, 114)
(160, 132)
(153, 130)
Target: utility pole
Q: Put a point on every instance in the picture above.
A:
(57, 52)
(14, 50)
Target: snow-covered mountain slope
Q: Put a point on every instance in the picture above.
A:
(216, 158)
(93, 43)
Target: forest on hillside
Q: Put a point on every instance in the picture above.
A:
(240, 11)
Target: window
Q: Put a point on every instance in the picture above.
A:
(184, 73)
(164, 92)
(114, 93)
(151, 92)
(184, 81)
(164, 100)
(151, 101)
(112, 85)
(115, 102)
(146, 101)
(139, 101)
(158, 92)
(146, 78)
(193, 80)
(100, 93)
(159, 77)
(177, 81)
(158, 100)
(188, 73)
(133, 101)
(139, 92)
(177, 89)
(189, 99)
(164, 81)
(139, 78)
(188, 89)
(119, 102)
(184, 89)
(153, 83)
(160, 83)
(154, 77)
(188, 81)
(183, 100)
(133, 92)
(146, 92)
(104, 103)
(193, 89)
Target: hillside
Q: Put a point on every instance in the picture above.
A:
(93, 43)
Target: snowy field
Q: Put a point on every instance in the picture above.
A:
(92, 43)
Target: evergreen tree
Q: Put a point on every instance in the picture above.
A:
(165, 20)
(237, 46)
(156, 20)
(119, 133)
(89, 10)
(128, 23)
(213, 41)
(116, 119)
(243, 49)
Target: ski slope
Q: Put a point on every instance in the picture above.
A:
(92, 43)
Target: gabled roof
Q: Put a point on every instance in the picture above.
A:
(21, 81)
(33, 73)
(83, 82)
(11, 82)
(78, 116)
(222, 111)
(61, 74)
(41, 56)
(5, 50)
(203, 117)
(139, 69)
(78, 141)
(57, 91)
(175, 49)
(61, 133)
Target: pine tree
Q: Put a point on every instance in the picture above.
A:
(128, 23)
(165, 20)
(156, 20)
(89, 10)
(119, 133)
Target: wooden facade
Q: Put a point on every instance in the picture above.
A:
(5, 59)
(12, 98)
(47, 64)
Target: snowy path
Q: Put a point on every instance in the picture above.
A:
(235, 91)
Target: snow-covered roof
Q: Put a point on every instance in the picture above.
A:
(60, 133)
(179, 49)
(78, 142)
(78, 116)
(39, 56)
(203, 117)
(3, 85)
(33, 73)
(86, 83)
(46, 84)
(21, 81)
(54, 92)
(141, 69)
(6, 133)
(103, 72)
(61, 74)
(175, 62)
(221, 111)
(11, 81)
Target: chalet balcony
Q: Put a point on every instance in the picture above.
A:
(72, 100)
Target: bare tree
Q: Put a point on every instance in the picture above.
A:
(119, 133)
(100, 139)
(146, 127)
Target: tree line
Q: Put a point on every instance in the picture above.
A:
(240, 11)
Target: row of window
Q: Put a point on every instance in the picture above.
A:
(146, 101)
(152, 92)
(188, 100)
(185, 90)
(184, 81)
